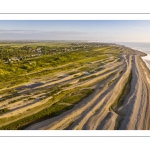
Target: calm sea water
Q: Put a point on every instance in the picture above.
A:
(143, 47)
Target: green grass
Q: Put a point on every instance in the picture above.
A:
(123, 93)
(120, 100)
(9, 96)
(18, 73)
(120, 72)
(4, 110)
(14, 101)
(76, 96)
(87, 78)
(51, 111)
(110, 83)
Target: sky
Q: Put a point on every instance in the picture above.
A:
(89, 30)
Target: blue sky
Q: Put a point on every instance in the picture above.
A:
(91, 30)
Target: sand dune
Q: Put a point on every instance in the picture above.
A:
(97, 112)
(120, 100)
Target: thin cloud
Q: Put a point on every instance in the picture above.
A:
(43, 32)
(43, 35)
(18, 31)
(137, 27)
(74, 32)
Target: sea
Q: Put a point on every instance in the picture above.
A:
(143, 47)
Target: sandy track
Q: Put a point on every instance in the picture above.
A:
(24, 108)
(106, 102)
(62, 121)
(31, 104)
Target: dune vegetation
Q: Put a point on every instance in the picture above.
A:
(70, 85)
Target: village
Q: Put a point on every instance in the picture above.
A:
(10, 54)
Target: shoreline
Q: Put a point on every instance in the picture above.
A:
(145, 58)
(147, 62)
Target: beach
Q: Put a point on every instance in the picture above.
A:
(143, 47)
